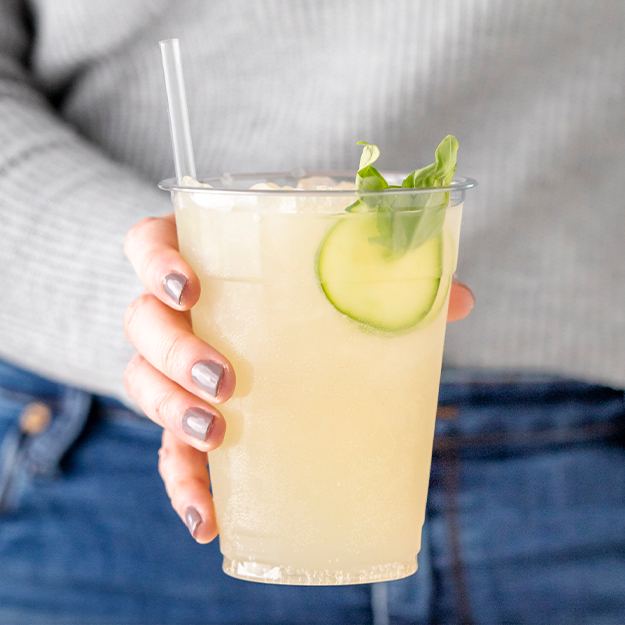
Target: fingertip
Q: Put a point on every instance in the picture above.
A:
(214, 377)
(191, 292)
(203, 427)
(201, 523)
(206, 534)
(467, 294)
(228, 383)
(461, 302)
(217, 433)
(180, 289)
(174, 284)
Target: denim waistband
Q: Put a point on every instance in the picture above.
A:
(472, 402)
(482, 408)
(15, 380)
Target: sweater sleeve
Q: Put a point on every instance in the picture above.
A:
(64, 209)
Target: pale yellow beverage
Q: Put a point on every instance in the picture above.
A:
(323, 475)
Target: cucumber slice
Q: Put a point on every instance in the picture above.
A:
(449, 264)
(365, 282)
(441, 298)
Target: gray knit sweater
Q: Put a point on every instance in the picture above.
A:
(534, 91)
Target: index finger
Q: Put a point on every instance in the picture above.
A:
(151, 246)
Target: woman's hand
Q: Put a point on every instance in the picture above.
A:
(176, 379)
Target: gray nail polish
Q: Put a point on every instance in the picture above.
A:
(197, 422)
(173, 285)
(207, 374)
(192, 520)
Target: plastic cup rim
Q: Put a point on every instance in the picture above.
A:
(219, 185)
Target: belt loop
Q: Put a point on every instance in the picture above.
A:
(379, 604)
(45, 451)
(9, 452)
(449, 412)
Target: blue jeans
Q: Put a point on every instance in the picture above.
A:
(525, 523)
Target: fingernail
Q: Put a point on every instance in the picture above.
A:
(173, 285)
(207, 374)
(197, 423)
(192, 519)
(468, 289)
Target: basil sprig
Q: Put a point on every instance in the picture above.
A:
(406, 220)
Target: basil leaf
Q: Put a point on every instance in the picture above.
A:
(368, 178)
(407, 220)
(370, 154)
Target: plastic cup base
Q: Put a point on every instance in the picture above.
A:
(278, 574)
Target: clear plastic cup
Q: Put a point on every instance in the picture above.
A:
(337, 344)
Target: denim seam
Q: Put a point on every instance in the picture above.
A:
(451, 486)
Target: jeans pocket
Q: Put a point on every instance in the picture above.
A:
(36, 432)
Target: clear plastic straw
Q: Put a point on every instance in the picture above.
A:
(182, 145)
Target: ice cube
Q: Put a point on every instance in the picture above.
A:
(188, 181)
(345, 185)
(274, 202)
(316, 183)
(265, 186)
